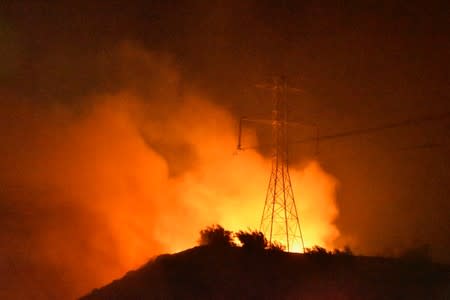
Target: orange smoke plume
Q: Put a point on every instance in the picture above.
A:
(92, 194)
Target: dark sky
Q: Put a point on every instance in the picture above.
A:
(361, 64)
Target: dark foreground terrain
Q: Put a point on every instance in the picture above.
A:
(234, 273)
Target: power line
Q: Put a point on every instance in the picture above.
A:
(367, 130)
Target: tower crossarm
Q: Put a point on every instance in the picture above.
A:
(269, 122)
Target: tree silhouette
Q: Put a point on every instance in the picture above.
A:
(216, 235)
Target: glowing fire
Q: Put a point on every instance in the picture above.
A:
(125, 180)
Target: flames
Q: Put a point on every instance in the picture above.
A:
(103, 189)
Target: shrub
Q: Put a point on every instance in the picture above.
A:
(317, 250)
(215, 235)
(276, 247)
(252, 240)
(319, 255)
(345, 252)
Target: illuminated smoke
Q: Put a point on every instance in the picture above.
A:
(91, 194)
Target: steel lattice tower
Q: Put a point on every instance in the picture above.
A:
(280, 221)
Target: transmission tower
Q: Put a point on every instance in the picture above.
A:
(280, 221)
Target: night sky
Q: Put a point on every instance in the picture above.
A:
(360, 63)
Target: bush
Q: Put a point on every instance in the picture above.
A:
(317, 251)
(345, 252)
(319, 255)
(216, 235)
(252, 240)
(276, 247)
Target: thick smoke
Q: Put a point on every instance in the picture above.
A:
(91, 191)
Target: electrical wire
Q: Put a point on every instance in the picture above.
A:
(369, 130)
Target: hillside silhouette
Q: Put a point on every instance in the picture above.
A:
(218, 269)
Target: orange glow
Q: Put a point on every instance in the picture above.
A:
(130, 177)
(101, 164)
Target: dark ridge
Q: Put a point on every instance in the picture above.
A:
(208, 272)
